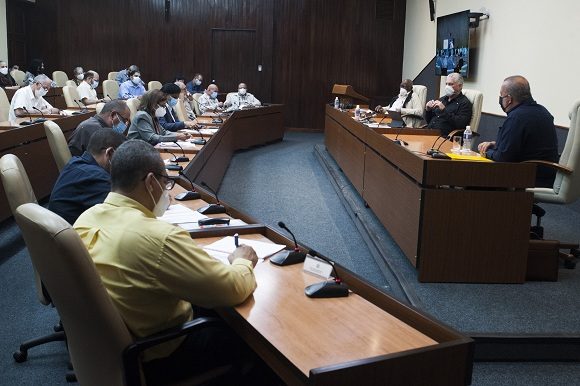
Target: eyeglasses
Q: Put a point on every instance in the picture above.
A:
(121, 118)
(169, 182)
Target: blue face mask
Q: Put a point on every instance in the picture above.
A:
(172, 102)
(214, 95)
(120, 126)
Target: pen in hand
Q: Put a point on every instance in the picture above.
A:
(237, 240)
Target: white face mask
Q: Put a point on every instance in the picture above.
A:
(197, 82)
(242, 91)
(160, 111)
(95, 84)
(81, 76)
(4, 70)
(136, 80)
(160, 206)
(403, 92)
(449, 90)
(41, 92)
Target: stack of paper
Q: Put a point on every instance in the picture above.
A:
(222, 248)
(180, 215)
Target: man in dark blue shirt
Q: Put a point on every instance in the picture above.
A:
(528, 133)
(85, 180)
(194, 86)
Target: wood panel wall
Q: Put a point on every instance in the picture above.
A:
(304, 46)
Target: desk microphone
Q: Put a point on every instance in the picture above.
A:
(108, 96)
(400, 141)
(329, 288)
(287, 257)
(183, 158)
(83, 109)
(382, 119)
(198, 141)
(38, 120)
(190, 194)
(217, 119)
(433, 150)
(212, 208)
(26, 123)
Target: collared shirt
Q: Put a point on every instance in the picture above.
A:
(193, 88)
(206, 103)
(129, 89)
(236, 101)
(154, 271)
(79, 140)
(456, 115)
(81, 184)
(528, 133)
(24, 98)
(170, 121)
(86, 91)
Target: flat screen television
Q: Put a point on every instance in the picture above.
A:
(452, 53)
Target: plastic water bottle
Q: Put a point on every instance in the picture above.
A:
(467, 136)
(357, 113)
(336, 103)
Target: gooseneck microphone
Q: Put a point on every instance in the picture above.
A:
(198, 141)
(212, 208)
(187, 195)
(29, 122)
(329, 288)
(400, 141)
(38, 120)
(432, 149)
(108, 96)
(183, 158)
(287, 257)
(217, 119)
(83, 109)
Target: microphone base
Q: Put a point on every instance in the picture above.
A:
(327, 289)
(174, 167)
(26, 123)
(186, 196)
(198, 141)
(400, 142)
(180, 159)
(212, 209)
(76, 113)
(39, 120)
(217, 120)
(287, 257)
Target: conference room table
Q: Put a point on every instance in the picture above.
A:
(455, 220)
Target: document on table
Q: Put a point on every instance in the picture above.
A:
(179, 214)
(192, 226)
(172, 145)
(468, 157)
(224, 247)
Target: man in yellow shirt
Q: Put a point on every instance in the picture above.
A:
(154, 271)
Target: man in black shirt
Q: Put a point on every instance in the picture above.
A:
(528, 133)
(452, 111)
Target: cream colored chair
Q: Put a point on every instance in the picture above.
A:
(60, 78)
(110, 89)
(18, 77)
(195, 104)
(19, 191)
(57, 143)
(476, 99)
(4, 105)
(133, 104)
(421, 92)
(99, 107)
(70, 96)
(180, 111)
(112, 75)
(154, 85)
(102, 350)
(71, 83)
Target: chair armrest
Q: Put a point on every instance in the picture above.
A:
(558, 167)
(133, 351)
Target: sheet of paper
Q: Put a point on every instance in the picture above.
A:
(191, 226)
(172, 145)
(227, 245)
(180, 214)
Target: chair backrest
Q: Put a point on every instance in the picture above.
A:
(180, 111)
(70, 96)
(195, 104)
(18, 76)
(96, 334)
(133, 104)
(421, 92)
(4, 105)
(71, 83)
(99, 107)
(60, 78)
(567, 186)
(154, 85)
(57, 143)
(19, 191)
(112, 75)
(111, 88)
(476, 99)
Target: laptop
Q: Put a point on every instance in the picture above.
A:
(397, 120)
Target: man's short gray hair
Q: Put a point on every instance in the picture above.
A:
(457, 78)
(41, 79)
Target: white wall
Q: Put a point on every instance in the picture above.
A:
(3, 32)
(536, 39)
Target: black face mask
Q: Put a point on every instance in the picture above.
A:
(501, 104)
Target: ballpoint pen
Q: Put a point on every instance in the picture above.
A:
(236, 240)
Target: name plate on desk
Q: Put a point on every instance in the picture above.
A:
(317, 267)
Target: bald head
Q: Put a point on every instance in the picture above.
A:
(517, 87)
(211, 88)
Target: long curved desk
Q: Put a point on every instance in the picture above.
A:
(456, 221)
